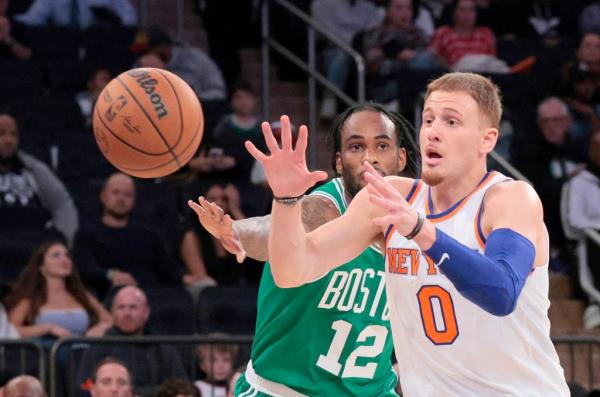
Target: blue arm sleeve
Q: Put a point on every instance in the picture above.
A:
(492, 281)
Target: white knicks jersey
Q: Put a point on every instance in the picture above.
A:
(448, 346)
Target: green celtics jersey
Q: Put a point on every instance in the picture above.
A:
(330, 337)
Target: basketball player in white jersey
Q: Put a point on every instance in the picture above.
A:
(466, 251)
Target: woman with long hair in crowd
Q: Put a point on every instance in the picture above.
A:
(49, 298)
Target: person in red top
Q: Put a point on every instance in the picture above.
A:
(464, 37)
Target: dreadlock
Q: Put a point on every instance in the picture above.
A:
(405, 133)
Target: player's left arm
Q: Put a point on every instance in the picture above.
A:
(516, 243)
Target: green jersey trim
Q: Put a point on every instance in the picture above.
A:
(266, 386)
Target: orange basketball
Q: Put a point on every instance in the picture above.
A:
(148, 122)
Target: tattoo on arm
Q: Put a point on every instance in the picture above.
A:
(317, 211)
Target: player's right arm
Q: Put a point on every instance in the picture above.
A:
(249, 237)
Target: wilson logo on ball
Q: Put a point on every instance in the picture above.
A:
(147, 83)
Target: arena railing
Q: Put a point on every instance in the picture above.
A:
(61, 354)
(14, 359)
(580, 351)
(313, 28)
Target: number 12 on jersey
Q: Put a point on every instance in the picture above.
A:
(331, 361)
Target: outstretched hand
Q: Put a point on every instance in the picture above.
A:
(285, 167)
(220, 225)
(383, 194)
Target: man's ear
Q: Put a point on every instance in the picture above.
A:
(338, 163)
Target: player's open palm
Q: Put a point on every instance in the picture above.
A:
(383, 194)
(219, 225)
(285, 166)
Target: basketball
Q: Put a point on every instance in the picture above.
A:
(148, 122)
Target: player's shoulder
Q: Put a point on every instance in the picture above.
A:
(403, 184)
(512, 193)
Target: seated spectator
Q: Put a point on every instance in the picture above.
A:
(233, 380)
(583, 212)
(190, 63)
(24, 386)
(7, 329)
(50, 299)
(86, 100)
(79, 14)
(10, 43)
(464, 45)
(549, 158)
(582, 97)
(32, 198)
(216, 362)
(394, 44)
(151, 365)
(220, 264)
(587, 59)
(344, 19)
(177, 388)
(117, 251)
(111, 378)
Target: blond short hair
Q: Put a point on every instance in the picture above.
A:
(481, 89)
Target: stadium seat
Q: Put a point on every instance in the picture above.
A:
(171, 311)
(227, 309)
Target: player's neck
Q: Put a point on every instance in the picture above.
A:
(451, 190)
(112, 221)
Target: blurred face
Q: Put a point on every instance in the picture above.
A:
(368, 136)
(465, 14)
(217, 367)
(554, 122)
(216, 194)
(98, 81)
(9, 136)
(454, 136)
(118, 196)
(130, 310)
(400, 13)
(585, 89)
(57, 262)
(243, 103)
(151, 60)
(589, 48)
(112, 380)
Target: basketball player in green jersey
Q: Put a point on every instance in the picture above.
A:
(330, 337)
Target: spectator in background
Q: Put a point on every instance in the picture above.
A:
(548, 159)
(177, 388)
(344, 19)
(216, 362)
(10, 43)
(111, 378)
(7, 329)
(151, 365)
(589, 17)
(117, 251)
(394, 44)
(79, 14)
(24, 386)
(220, 264)
(583, 212)
(587, 58)
(50, 299)
(582, 97)
(86, 100)
(464, 45)
(34, 204)
(191, 64)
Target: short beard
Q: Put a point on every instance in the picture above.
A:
(351, 183)
(431, 178)
(121, 216)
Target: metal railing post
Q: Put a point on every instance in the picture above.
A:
(312, 99)
(265, 28)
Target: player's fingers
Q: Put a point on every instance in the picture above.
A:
(317, 176)
(383, 186)
(286, 133)
(379, 201)
(269, 138)
(206, 205)
(254, 152)
(196, 207)
(302, 140)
